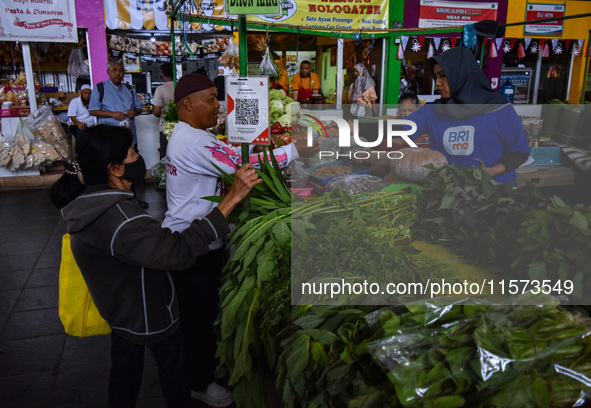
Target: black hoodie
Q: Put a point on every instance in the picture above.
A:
(125, 255)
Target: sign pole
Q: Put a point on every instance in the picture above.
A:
(243, 66)
(243, 58)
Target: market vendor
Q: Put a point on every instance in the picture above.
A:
(485, 127)
(195, 157)
(305, 84)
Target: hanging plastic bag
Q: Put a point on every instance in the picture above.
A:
(268, 66)
(158, 171)
(76, 65)
(231, 57)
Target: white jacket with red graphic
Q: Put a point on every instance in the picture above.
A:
(190, 173)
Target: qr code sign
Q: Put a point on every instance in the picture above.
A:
(247, 111)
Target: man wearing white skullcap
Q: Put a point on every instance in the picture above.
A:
(78, 112)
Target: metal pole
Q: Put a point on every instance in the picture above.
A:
(538, 73)
(29, 74)
(340, 54)
(243, 66)
(586, 70)
(570, 75)
(243, 57)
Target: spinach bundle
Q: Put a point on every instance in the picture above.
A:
(484, 356)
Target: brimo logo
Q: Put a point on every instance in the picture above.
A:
(394, 129)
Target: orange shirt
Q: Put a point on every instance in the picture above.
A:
(312, 82)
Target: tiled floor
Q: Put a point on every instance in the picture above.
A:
(41, 366)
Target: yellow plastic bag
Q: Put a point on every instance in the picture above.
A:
(77, 311)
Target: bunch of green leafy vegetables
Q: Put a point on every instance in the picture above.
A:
(260, 331)
(554, 244)
(465, 209)
(172, 113)
(484, 356)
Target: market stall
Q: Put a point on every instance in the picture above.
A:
(360, 221)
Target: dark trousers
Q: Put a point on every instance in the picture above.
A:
(198, 294)
(127, 366)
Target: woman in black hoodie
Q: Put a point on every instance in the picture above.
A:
(471, 121)
(125, 255)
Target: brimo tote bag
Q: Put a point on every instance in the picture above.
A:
(77, 311)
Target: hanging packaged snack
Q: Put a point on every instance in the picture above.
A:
(47, 128)
(231, 57)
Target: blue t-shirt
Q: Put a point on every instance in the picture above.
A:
(115, 100)
(486, 137)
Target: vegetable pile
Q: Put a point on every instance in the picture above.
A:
(511, 231)
(282, 109)
(415, 355)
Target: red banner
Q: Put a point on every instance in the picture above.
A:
(437, 13)
(41, 24)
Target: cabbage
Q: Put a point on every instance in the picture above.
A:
(288, 100)
(284, 120)
(293, 108)
(274, 116)
(277, 94)
(276, 108)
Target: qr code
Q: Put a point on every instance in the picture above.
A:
(247, 111)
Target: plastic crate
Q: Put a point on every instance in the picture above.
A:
(547, 156)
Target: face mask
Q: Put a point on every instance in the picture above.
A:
(135, 171)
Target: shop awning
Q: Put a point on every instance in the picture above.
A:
(151, 14)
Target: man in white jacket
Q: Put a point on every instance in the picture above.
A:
(190, 174)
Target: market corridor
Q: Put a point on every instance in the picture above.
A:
(41, 366)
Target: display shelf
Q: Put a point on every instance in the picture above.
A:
(520, 78)
(55, 94)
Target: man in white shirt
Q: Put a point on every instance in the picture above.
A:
(78, 112)
(164, 94)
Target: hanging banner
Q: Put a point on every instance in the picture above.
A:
(248, 7)
(333, 14)
(151, 14)
(248, 109)
(540, 11)
(38, 20)
(439, 13)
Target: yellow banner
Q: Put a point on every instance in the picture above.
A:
(331, 14)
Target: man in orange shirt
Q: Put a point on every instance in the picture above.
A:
(305, 84)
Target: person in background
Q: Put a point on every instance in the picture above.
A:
(78, 112)
(163, 95)
(282, 82)
(407, 104)
(305, 84)
(362, 92)
(119, 104)
(220, 84)
(471, 122)
(409, 78)
(192, 156)
(201, 70)
(125, 257)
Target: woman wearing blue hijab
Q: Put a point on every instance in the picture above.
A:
(471, 122)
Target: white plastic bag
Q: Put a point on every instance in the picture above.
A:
(76, 65)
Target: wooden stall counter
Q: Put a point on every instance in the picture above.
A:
(546, 176)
